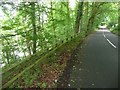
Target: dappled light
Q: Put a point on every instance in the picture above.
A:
(56, 44)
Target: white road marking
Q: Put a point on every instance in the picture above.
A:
(109, 41)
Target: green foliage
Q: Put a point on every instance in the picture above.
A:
(32, 27)
(44, 85)
(112, 24)
(6, 28)
(53, 23)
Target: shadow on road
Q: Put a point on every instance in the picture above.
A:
(63, 80)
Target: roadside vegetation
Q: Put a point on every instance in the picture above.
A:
(38, 38)
(113, 23)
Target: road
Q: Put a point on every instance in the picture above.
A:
(97, 65)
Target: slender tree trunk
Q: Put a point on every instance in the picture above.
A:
(28, 46)
(34, 26)
(119, 17)
(7, 52)
(91, 17)
(86, 13)
(95, 10)
(68, 18)
(68, 11)
(53, 24)
(52, 16)
(7, 56)
(79, 16)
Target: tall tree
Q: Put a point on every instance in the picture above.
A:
(79, 16)
(94, 12)
(86, 14)
(33, 20)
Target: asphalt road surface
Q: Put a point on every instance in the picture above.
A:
(97, 65)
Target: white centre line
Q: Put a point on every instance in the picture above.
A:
(109, 41)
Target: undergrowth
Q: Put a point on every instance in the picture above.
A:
(45, 73)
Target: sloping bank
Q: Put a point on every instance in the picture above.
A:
(42, 70)
(117, 32)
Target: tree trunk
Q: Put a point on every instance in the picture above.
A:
(68, 11)
(68, 19)
(34, 26)
(7, 56)
(53, 24)
(86, 13)
(79, 16)
(95, 10)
